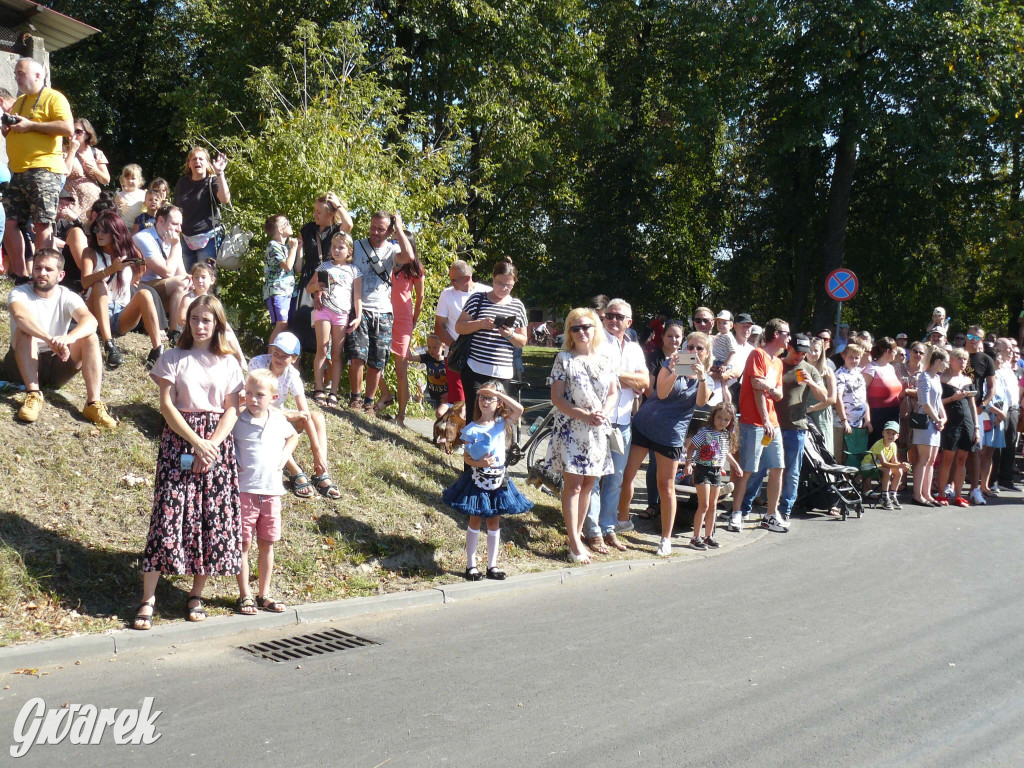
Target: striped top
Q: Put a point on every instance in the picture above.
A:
(712, 446)
(490, 354)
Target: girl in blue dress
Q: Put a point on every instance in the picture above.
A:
(484, 491)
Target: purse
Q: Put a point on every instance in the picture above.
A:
(236, 240)
(458, 352)
(615, 441)
(919, 421)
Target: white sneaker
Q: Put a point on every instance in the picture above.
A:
(976, 497)
(774, 524)
(948, 493)
(665, 548)
(622, 527)
(735, 523)
(783, 521)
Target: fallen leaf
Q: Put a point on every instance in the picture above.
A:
(27, 671)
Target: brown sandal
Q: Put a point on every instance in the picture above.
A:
(596, 544)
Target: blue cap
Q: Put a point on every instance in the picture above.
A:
(287, 343)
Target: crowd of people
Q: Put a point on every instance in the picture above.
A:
(715, 401)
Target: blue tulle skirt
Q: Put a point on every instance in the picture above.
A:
(467, 497)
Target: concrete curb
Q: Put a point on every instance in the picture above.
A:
(68, 650)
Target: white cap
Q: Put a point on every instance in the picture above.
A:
(725, 314)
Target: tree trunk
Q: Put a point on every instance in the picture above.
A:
(834, 232)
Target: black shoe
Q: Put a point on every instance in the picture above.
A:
(172, 337)
(1009, 486)
(154, 355)
(114, 356)
(494, 573)
(473, 574)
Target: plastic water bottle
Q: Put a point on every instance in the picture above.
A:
(536, 424)
(11, 385)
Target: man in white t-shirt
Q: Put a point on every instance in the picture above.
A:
(741, 329)
(45, 351)
(160, 246)
(449, 306)
(627, 358)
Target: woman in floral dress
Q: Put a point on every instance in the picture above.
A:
(196, 525)
(584, 389)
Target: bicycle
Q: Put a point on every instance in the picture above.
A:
(541, 419)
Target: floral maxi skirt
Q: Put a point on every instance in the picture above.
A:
(196, 525)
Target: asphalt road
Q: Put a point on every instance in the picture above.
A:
(893, 640)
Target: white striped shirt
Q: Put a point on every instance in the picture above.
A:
(490, 353)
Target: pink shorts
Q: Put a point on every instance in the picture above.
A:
(262, 515)
(334, 318)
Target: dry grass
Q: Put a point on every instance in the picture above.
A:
(72, 525)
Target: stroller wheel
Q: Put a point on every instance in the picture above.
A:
(860, 510)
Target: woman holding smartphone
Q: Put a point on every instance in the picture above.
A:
(661, 425)
(196, 524)
(109, 267)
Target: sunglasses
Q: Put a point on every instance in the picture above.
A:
(917, 351)
(79, 132)
(614, 316)
(972, 337)
(703, 320)
(693, 348)
(581, 328)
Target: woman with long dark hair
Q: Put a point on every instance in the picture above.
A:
(406, 303)
(109, 267)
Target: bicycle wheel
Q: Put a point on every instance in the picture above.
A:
(536, 473)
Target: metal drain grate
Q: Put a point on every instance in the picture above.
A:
(306, 646)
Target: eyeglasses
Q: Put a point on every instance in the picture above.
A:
(703, 320)
(581, 328)
(917, 351)
(692, 348)
(972, 337)
(79, 131)
(614, 316)
(487, 398)
(823, 338)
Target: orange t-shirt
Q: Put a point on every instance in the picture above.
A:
(760, 365)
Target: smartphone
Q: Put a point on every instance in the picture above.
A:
(971, 392)
(685, 363)
(187, 459)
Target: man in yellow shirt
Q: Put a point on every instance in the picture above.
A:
(34, 128)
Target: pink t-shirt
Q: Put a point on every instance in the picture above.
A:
(401, 297)
(200, 379)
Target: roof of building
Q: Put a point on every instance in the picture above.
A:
(56, 29)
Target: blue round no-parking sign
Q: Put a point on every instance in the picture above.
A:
(841, 284)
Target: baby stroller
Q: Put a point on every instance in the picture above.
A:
(824, 483)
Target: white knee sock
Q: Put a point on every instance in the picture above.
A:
(472, 536)
(493, 538)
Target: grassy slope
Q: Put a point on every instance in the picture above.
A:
(72, 525)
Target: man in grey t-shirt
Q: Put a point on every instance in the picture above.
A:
(369, 343)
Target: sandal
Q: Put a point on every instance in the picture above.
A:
(473, 574)
(326, 487)
(246, 605)
(494, 573)
(332, 400)
(596, 544)
(301, 486)
(269, 604)
(144, 621)
(320, 397)
(355, 401)
(384, 404)
(195, 614)
(649, 514)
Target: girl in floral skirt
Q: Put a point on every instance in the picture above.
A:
(484, 491)
(196, 523)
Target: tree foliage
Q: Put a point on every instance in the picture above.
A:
(728, 152)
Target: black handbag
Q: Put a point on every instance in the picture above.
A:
(919, 421)
(458, 353)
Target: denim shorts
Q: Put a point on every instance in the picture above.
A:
(705, 475)
(753, 455)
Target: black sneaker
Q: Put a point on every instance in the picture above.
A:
(172, 337)
(697, 543)
(154, 355)
(711, 543)
(114, 356)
